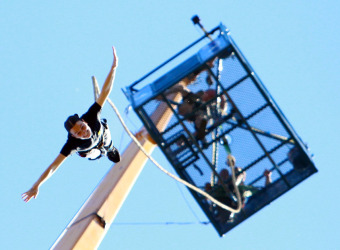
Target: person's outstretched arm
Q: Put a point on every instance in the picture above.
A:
(33, 192)
(107, 87)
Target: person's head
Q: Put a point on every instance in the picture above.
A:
(224, 174)
(207, 187)
(77, 127)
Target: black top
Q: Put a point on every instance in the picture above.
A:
(92, 118)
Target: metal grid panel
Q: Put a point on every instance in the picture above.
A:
(258, 139)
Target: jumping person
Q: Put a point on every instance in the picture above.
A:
(88, 135)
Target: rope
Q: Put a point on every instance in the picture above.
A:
(186, 202)
(161, 223)
(206, 195)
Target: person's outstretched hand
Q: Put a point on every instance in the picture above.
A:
(115, 58)
(32, 193)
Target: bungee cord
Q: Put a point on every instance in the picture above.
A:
(230, 160)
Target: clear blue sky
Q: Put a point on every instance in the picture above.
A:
(50, 50)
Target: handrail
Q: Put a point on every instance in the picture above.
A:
(172, 58)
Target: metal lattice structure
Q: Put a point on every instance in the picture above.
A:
(240, 112)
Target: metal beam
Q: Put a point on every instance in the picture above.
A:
(91, 223)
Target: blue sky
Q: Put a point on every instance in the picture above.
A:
(48, 53)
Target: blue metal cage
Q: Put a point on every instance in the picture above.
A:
(237, 110)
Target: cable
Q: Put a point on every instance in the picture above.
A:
(206, 195)
(161, 223)
(186, 202)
